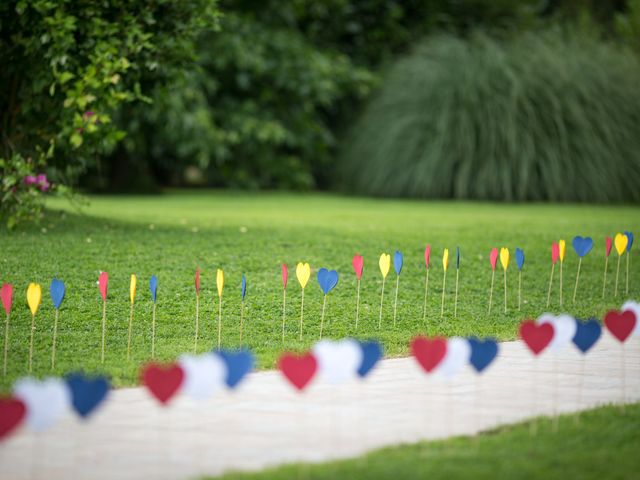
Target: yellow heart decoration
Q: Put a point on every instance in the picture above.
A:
(504, 257)
(220, 281)
(445, 259)
(303, 272)
(385, 264)
(34, 295)
(132, 288)
(562, 249)
(621, 242)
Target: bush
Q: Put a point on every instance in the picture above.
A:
(548, 116)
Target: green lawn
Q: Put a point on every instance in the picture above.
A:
(170, 235)
(602, 445)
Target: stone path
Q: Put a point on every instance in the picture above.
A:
(266, 423)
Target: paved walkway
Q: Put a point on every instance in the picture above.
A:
(266, 423)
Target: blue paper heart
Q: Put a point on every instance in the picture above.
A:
(519, 258)
(581, 245)
(153, 286)
(239, 363)
(371, 353)
(483, 353)
(87, 393)
(397, 262)
(587, 334)
(57, 292)
(630, 242)
(457, 257)
(327, 279)
(244, 286)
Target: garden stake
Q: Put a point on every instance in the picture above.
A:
(197, 286)
(381, 300)
(324, 304)
(445, 266)
(220, 285)
(575, 289)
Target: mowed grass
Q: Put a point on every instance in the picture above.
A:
(172, 234)
(602, 443)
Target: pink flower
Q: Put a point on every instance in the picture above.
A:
(42, 182)
(29, 180)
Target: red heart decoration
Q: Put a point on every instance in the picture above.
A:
(493, 258)
(537, 337)
(608, 243)
(299, 370)
(103, 281)
(620, 324)
(429, 352)
(555, 252)
(163, 381)
(12, 412)
(427, 255)
(285, 275)
(358, 265)
(197, 281)
(7, 297)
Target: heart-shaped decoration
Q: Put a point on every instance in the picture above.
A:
(635, 308)
(630, 238)
(133, 283)
(34, 296)
(196, 281)
(535, 336)
(303, 272)
(427, 256)
(397, 262)
(371, 354)
(103, 284)
(582, 245)
(458, 353)
(87, 393)
(587, 334)
(12, 412)
(621, 241)
(555, 252)
(285, 275)
(7, 297)
(338, 361)
(564, 329)
(243, 287)
(429, 352)
(299, 370)
(608, 243)
(56, 289)
(204, 375)
(493, 258)
(358, 265)
(163, 381)
(327, 279)
(153, 288)
(504, 257)
(219, 281)
(385, 264)
(445, 259)
(562, 250)
(519, 258)
(483, 352)
(620, 324)
(46, 400)
(238, 363)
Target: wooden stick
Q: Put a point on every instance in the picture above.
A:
(493, 276)
(426, 292)
(575, 289)
(444, 284)
(604, 278)
(324, 304)
(241, 320)
(553, 267)
(104, 327)
(130, 329)
(195, 343)
(519, 288)
(55, 334)
(357, 304)
(615, 294)
(455, 303)
(561, 263)
(505, 291)
(395, 302)
(153, 331)
(33, 329)
(284, 310)
(219, 319)
(301, 313)
(6, 345)
(381, 299)
(626, 290)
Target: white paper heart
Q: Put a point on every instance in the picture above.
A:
(338, 361)
(635, 308)
(46, 400)
(203, 375)
(564, 329)
(457, 356)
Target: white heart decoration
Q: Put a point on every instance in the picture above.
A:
(635, 308)
(457, 356)
(564, 329)
(46, 400)
(338, 361)
(203, 375)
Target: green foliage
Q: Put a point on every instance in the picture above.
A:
(20, 201)
(546, 116)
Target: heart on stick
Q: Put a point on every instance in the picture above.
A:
(7, 297)
(298, 369)
(398, 260)
(303, 272)
(133, 283)
(197, 281)
(445, 259)
(620, 241)
(562, 250)
(504, 257)
(620, 324)
(46, 400)
(630, 238)
(564, 329)
(458, 353)
(56, 289)
(427, 255)
(220, 281)
(536, 337)
(371, 353)
(635, 308)
(385, 264)
(493, 258)
(12, 413)
(163, 381)
(358, 265)
(429, 352)
(34, 296)
(582, 245)
(608, 243)
(519, 258)
(338, 361)
(587, 334)
(483, 352)
(555, 252)
(285, 275)
(87, 393)
(327, 279)
(153, 288)
(103, 283)
(204, 375)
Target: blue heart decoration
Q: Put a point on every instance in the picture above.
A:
(520, 258)
(239, 363)
(87, 393)
(457, 257)
(397, 262)
(327, 279)
(371, 353)
(57, 292)
(587, 334)
(244, 286)
(630, 242)
(153, 286)
(483, 352)
(582, 245)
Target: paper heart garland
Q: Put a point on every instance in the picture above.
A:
(458, 353)
(103, 283)
(427, 256)
(204, 375)
(445, 259)
(338, 361)
(397, 262)
(519, 258)
(582, 245)
(327, 279)
(504, 257)
(562, 250)
(587, 334)
(608, 243)
(133, 283)
(46, 400)
(285, 275)
(219, 281)
(34, 296)
(197, 281)
(620, 241)
(635, 308)
(12, 413)
(630, 240)
(56, 289)
(428, 352)
(385, 264)
(303, 272)
(238, 363)
(358, 265)
(298, 369)
(153, 288)
(483, 352)
(493, 258)
(564, 329)
(620, 324)
(7, 297)
(87, 393)
(555, 252)
(163, 381)
(243, 287)
(371, 353)
(536, 337)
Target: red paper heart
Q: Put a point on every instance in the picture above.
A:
(12, 412)
(197, 281)
(555, 252)
(608, 243)
(429, 352)
(285, 275)
(7, 297)
(427, 255)
(299, 370)
(103, 282)
(358, 265)
(163, 381)
(536, 337)
(620, 324)
(493, 258)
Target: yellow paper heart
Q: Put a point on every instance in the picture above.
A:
(220, 282)
(34, 295)
(132, 288)
(303, 272)
(385, 264)
(504, 257)
(562, 249)
(621, 242)
(445, 259)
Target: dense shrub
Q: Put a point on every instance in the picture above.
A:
(546, 116)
